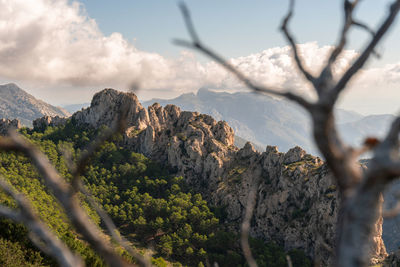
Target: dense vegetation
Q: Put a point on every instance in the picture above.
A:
(151, 207)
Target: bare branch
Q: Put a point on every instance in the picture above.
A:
(67, 198)
(362, 59)
(289, 261)
(387, 153)
(348, 21)
(41, 235)
(370, 31)
(387, 214)
(355, 153)
(197, 45)
(112, 229)
(244, 238)
(292, 42)
(392, 137)
(364, 27)
(189, 23)
(325, 78)
(386, 160)
(360, 193)
(10, 214)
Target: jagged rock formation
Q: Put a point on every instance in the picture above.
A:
(270, 121)
(297, 201)
(15, 103)
(45, 121)
(6, 125)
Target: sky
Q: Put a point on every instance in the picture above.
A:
(64, 51)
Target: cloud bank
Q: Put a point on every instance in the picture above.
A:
(50, 41)
(55, 43)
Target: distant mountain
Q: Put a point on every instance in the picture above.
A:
(75, 107)
(15, 103)
(240, 143)
(373, 125)
(265, 120)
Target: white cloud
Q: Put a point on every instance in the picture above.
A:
(52, 43)
(375, 90)
(276, 67)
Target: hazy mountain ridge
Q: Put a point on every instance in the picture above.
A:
(372, 125)
(72, 108)
(265, 120)
(15, 103)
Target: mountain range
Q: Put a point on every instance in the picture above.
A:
(265, 120)
(261, 119)
(296, 192)
(15, 103)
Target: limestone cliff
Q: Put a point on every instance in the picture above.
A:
(297, 201)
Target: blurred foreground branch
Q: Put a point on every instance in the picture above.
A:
(360, 205)
(66, 195)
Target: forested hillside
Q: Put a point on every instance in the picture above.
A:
(150, 205)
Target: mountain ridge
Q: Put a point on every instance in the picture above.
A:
(15, 103)
(265, 120)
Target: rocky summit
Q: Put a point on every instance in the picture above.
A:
(297, 201)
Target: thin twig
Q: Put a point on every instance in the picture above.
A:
(362, 59)
(289, 261)
(244, 238)
(66, 197)
(292, 42)
(354, 226)
(393, 212)
(41, 235)
(112, 229)
(197, 45)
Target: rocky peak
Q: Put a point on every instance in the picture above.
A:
(294, 154)
(106, 107)
(247, 151)
(271, 149)
(297, 200)
(151, 122)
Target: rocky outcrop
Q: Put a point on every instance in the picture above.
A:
(6, 125)
(45, 121)
(297, 202)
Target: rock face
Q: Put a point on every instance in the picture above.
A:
(15, 103)
(6, 125)
(45, 121)
(297, 201)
